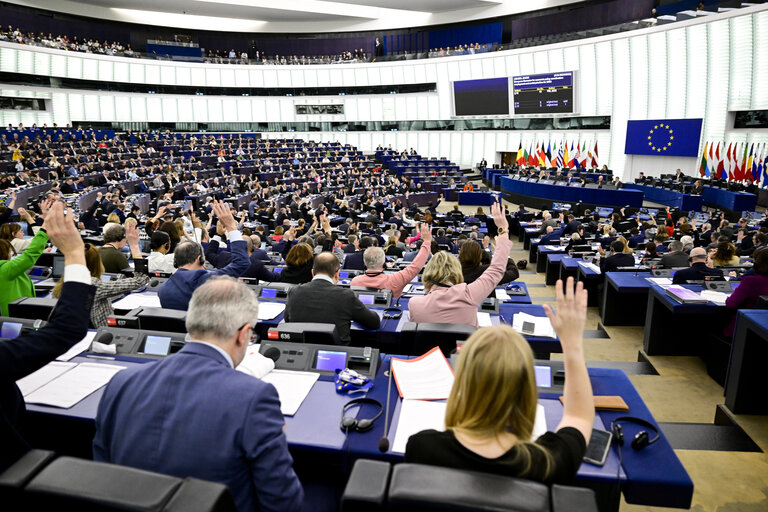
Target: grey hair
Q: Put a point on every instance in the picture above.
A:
(374, 257)
(220, 307)
(675, 246)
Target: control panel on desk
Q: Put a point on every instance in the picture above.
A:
(322, 359)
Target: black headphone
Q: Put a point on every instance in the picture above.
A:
(364, 425)
(641, 439)
(393, 313)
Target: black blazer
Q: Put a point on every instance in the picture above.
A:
(612, 263)
(30, 352)
(322, 302)
(354, 261)
(696, 272)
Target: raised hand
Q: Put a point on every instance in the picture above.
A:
(571, 314)
(224, 215)
(63, 234)
(498, 216)
(426, 233)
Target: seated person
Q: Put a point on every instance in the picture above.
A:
(297, 270)
(675, 257)
(322, 301)
(750, 289)
(448, 298)
(472, 267)
(115, 238)
(150, 416)
(552, 237)
(188, 259)
(14, 281)
(67, 325)
(392, 248)
(106, 291)
(491, 432)
(160, 259)
(374, 276)
(354, 261)
(701, 267)
(618, 258)
(651, 252)
(724, 254)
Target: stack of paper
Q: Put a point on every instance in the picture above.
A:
(554, 247)
(255, 364)
(661, 281)
(718, 298)
(428, 377)
(418, 415)
(591, 266)
(138, 300)
(292, 388)
(484, 319)
(69, 384)
(79, 347)
(539, 325)
(270, 310)
(501, 294)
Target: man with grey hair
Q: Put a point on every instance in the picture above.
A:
(374, 276)
(675, 257)
(192, 415)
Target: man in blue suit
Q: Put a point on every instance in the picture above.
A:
(193, 415)
(175, 293)
(68, 324)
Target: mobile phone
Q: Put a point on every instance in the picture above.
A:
(529, 327)
(599, 444)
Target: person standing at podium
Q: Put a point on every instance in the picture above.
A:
(491, 431)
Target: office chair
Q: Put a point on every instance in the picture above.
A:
(419, 338)
(375, 485)
(39, 481)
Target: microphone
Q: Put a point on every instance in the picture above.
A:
(272, 353)
(384, 441)
(104, 338)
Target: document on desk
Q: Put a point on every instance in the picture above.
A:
(718, 298)
(292, 388)
(484, 319)
(590, 266)
(137, 300)
(501, 294)
(270, 310)
(428, 377)
(418, 415)
(533, 325)
(73, 385)
(554, 247)
(661, 281)
(43, 376)
(78, 348)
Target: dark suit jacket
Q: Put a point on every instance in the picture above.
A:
(193, 415)
(322, 302)
(674, 259)
(696, 272)
(354, 261)
(30, 352)
(612, 263)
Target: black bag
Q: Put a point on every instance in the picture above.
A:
(522, 264)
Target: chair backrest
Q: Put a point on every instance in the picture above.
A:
(39, 481)
(419, 338)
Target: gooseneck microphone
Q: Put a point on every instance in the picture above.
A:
(272, 353)
(384, 441)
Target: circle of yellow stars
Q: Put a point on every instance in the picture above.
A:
(661, 128)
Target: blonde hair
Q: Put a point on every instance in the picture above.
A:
(495, 392)
(130, 221)
(443, 267)
(113, 217)
(627, 249)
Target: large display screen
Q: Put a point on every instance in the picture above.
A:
(549, 93)
(663, 137)
(481, 97)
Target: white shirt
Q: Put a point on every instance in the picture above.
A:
(323, 277)
(159, 262)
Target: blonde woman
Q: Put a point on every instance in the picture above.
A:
(112, 219)
(492, 406)
(448, 298)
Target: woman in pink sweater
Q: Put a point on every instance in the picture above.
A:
(449, 299)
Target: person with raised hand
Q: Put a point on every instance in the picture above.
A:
(448, 298)
(491, 409)
(374, 259)
(66, 326)
(189, 259)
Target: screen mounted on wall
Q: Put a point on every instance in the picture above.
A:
(548, 93)
(481, 97)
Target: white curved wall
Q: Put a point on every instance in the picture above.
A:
(701, 68)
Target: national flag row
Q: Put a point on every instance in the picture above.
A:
(558, 154)
(739, 161)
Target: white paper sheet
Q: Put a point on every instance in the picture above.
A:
(137, 300)
(292, 388)
(43, 376)
(418, 415)
(661, 281)
(541, 325)
(426, 378)
(554, 247)
(74, 385)
(591, 266)
(255, 364)
(270, 310)
(78, 348)
(484, 319)
(501, 294)
(718, 298)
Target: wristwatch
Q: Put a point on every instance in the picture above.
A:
(500, 231)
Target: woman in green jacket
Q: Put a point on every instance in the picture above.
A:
(14, 282)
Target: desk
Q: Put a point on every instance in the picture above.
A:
(625, 297)
(745, 383)
(734, 201)
(552, 267)
(652, 477)
(673, 198)
(672, 328)
(478, 198)
(525, 190)
(592, 280)
(543, 252)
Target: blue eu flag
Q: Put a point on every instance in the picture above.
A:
(663, 137)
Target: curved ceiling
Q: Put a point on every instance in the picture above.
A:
(295, 16)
